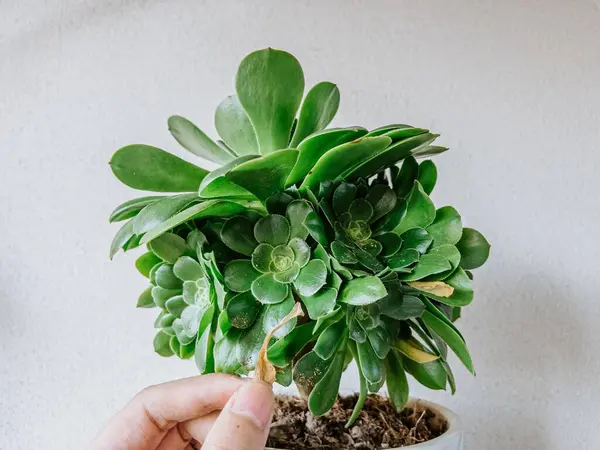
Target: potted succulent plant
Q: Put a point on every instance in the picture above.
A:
(306, 249)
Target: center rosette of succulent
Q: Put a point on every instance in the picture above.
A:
(277, 256)
(355, 210)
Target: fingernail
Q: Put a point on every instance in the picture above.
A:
(255, 401)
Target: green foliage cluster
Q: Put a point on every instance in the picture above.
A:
(298, 212)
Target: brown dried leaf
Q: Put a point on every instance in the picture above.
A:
(265, 371)
(438, 288)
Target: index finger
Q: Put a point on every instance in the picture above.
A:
(143, 423)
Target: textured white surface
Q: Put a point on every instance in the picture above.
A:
(513, 86)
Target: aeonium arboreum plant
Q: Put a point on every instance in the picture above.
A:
(306, 249)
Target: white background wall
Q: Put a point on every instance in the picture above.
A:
(513, 86)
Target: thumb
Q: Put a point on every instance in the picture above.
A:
(244, 422)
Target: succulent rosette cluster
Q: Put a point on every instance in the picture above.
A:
(337, 220)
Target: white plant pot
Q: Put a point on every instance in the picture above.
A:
(452, 439)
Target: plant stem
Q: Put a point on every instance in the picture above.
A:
(363, 389)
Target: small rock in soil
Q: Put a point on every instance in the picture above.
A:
(379, 426)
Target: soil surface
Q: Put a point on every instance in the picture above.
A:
(379, 426)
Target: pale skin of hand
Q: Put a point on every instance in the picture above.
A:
(209, 412)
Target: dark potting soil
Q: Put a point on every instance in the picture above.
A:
(379, 426)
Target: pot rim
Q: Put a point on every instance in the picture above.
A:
(454, 424)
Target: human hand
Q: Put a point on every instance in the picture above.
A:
(211, 412)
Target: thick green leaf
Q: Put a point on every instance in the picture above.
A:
(240, 274)
(242, 310)
(283, 376)
(391, 220)
(234, 127)
(296, 213)
(160, 295)
(318, 109)
(187, 269)
(441, 313)
(157, 212)
(176, 305)
(341, 270)
(213, 208)
(196, 141)
(403, 308)
(262, 257)
(401, 260)
(266, 175)
(342, 253)
(269, 84)
(316, 228)
(363, 391)
(372, 246)
(315, 146)
(343, 197)
(362, 210)
(146, 262)
(383, 200)
(474, 249)
(238, 234)
(380, 341)
(204, 352)
(386, 128)
(463, 289)
(369, 362)
(428, 265)
(405, 132)
(431, 374)
(447, 226)
(124, 234)
(320, 304)
(168, 247)
(429, 150)
(325, 393)
(368, 261)
(272, 229)
(267, 290)
(342, 159)
(161, 344)
(451, 337)
(166, 323)
(145, 299)
(278, 203)
(301, 251)
(151, 169)
(451, 253)
(216, 185)
(397, 384)
(420, 211)
(312, 278)
(283, 352)
(390, 243)
(308, 371)
(274, 314)
(363, 291)
(416, 238)
(405, 180)
(250, 343)
(329, 340)
(225, 352)
(427, 176)
(131, 208)
(390, 156)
